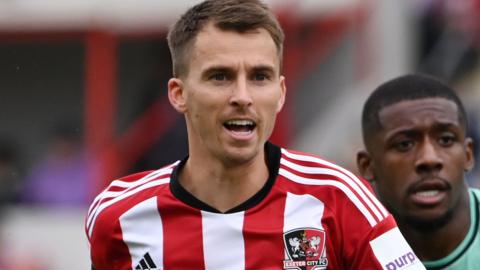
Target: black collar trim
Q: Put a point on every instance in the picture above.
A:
(273, 154)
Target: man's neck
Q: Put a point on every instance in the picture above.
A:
(223, 187)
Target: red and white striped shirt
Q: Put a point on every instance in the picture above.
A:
(310, 215)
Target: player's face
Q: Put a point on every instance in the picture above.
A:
(231, 94)
(417, 161)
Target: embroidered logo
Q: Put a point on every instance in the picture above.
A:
(305, 249)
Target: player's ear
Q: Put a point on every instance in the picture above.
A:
(283, 93)
(176, 94)
(364, 165)
(469, 156)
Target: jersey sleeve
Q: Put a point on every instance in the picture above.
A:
(107, 250)
(384, 247)
(104, 233)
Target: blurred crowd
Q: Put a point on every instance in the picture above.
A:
(59, 177)
(447, 46)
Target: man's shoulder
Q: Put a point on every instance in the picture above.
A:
(314, 175)
(314, 166)
(127, 185)
(476, 193)
(474, 190)
(126, 192)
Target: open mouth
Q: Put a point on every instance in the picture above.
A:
(429, 192)
(240, 126)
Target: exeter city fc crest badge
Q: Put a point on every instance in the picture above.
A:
(305, 249)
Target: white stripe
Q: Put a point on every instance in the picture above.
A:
(111, 194)
(302, 211)
(348, 181)
(223, 243)
(142, 232)
(370, 197)
(102, 206)
(334, 183)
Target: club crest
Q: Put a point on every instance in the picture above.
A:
(305, 248)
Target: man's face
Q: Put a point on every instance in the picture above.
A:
(231, 94)
(417, 160)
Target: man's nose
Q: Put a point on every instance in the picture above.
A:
(241, 95)
(428, 158)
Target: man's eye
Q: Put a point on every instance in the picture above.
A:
(446, 140)
(219, 77)
(260, 77)
(403, 146)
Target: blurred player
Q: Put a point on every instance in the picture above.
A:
(417, 153)
(237, 201)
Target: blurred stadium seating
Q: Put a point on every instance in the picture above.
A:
(103, 65)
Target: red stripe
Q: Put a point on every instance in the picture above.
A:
(182, 234)
(110, 254)
(269, 253)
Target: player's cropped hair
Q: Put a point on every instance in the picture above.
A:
(232, 15)
(407, 87)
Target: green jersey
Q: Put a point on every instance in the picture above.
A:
(467, 255)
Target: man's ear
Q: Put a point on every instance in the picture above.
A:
(470, 158)
(283, 93)
(364, 165)
(176, 95)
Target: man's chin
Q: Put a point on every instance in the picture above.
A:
(429, 225)
(240, 156)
